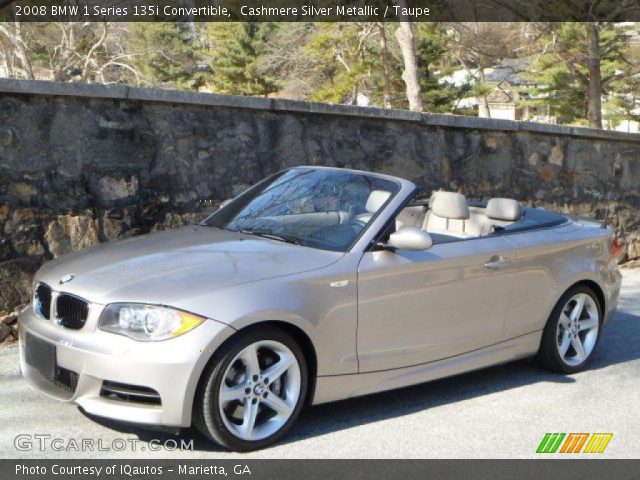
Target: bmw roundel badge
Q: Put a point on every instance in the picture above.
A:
(66, 279)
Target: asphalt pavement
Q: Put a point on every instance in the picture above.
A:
(500, 412)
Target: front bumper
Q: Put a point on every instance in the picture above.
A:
(171, 367)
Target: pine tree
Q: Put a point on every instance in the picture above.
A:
(341, 57)
(578, 64)
(352, 59)
(235, 50)
(436, 62)
(623, 102)
(166, 54)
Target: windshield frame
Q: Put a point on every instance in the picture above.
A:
(396, 197)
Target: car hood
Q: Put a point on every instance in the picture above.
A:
(164, 266)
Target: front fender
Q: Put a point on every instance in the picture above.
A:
(321, 303)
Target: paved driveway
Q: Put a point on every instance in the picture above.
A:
(498, 412)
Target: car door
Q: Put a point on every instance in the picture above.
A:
(416, 307)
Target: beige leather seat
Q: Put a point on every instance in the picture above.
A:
(448, 215)
(374, 203)
(499, 212)
(503, 211)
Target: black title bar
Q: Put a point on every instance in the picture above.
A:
(320, 10)
(244, 469)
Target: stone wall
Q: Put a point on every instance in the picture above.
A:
(83, 164)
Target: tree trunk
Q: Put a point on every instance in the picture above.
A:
(8, 67)
(20, 51)
(404, 35)
(386, 68)
(594, 90)
(483, 97)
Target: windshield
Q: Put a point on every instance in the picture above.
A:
(318, 208)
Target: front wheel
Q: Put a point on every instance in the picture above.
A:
(572, 331)
(252, 391)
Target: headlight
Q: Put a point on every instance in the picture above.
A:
(147, 322)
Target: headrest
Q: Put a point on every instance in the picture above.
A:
(431, 200)
(376, 200)
(450, 205)
(504, 209)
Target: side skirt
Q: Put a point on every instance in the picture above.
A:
(340, 387)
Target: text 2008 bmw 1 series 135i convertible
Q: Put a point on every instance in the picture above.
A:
(317, 284)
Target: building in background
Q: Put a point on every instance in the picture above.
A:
(511, 97)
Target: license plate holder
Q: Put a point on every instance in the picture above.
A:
(41, 355)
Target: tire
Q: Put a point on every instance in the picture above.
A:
(239, 412)
(562, 327)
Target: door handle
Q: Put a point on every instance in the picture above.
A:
(497, 262)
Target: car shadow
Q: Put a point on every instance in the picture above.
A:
(616, 346)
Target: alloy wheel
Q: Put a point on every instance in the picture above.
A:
(578, 329)
(260, 390)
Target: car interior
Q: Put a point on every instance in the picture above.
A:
(330, 212)
(447, 216)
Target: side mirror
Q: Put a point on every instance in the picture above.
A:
(410, 238)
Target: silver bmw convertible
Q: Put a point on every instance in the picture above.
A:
(316, 284)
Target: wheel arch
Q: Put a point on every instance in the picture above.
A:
(596, 289)
(299, 335)
(308, 349)
(548, 355)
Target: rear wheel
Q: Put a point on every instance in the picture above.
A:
(572, 331)
(253, 390)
